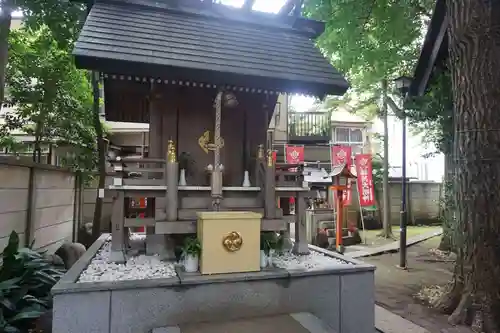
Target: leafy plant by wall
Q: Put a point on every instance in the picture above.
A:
(26, 279)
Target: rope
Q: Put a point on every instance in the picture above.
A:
(217, 140)
(216, 200)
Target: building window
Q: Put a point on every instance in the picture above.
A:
(349, 136)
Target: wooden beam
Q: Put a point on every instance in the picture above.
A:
(289, 6)
(433, 57)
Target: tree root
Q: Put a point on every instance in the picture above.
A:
(386, 234)
(461, 314)
(445, 244)
(450, 299)
(458, 302)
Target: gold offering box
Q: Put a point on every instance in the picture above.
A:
(230, 242)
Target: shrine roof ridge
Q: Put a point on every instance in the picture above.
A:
(229, 14)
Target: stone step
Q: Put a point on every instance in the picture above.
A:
(292, 323)
(226, 203)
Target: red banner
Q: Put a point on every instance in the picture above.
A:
(347, 194)
(366, 191)
(294, 154)
(341, 155)
(274, 156)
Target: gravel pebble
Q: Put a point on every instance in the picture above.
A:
(313, 260)
(151, 267)
(137, 268)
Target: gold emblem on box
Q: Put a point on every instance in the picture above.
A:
(232, 242)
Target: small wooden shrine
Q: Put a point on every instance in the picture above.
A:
(206, 77)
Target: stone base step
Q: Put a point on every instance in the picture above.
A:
(189, 226)
(191, 213)
(290, 323)
(199, 202)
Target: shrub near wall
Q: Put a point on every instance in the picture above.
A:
(26, 278)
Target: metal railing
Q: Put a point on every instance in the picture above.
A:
(309, 124)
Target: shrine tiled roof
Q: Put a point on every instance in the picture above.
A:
(217, 45)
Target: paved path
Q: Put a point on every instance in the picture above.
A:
(391, 247)
(388, 322)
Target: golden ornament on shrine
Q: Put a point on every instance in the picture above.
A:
(270, 160)
(233, 241)
(171, 156)
(260, 151)
(204, 142)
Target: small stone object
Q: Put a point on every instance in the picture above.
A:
(54, 259)
(70, 253)
(85, 234)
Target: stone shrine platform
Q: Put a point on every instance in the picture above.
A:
(341, 296)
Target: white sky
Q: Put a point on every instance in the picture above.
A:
(260, 5)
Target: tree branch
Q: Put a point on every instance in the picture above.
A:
(288, 7)
(394, 107)
(248, 5)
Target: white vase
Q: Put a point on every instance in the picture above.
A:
(270, 257)
(191, 263)
(263, 259)
(182, 178)
(246, 179)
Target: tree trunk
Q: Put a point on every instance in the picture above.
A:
(96, 227)
(387, 227)
(5, 19)
(446, 243)
(474, 48)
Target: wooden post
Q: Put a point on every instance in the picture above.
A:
(338, 224)
(172, 182)
(76, 206)
(117, 254)
(300, 246)
(270, 187)
(29, 232)
(258, 166)
(155, 138)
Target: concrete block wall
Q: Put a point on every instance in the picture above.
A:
(43, 210)
(54, 202)
(89, 194)
(13, 201)
(423, 199)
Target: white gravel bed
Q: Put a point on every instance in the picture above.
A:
(137, 268)
(313, 260)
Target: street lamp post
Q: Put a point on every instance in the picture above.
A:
(403, 85)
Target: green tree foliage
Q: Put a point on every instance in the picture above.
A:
(62, 17)
(52, 99)
(369, 40)
(432, 114)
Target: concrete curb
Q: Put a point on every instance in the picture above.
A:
(392, 247)
(388, 322)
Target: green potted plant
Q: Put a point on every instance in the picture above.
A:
(191, 253)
